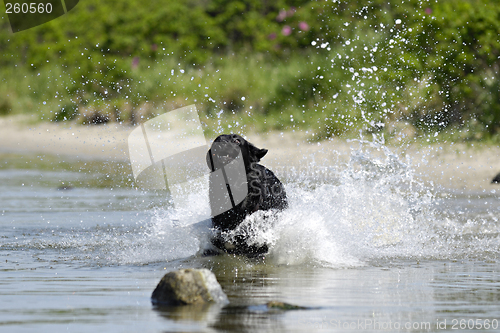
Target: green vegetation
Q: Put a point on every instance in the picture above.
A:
(328, 67)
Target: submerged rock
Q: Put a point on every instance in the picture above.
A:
(284, 306)
(188, 286)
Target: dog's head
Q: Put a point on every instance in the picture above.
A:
(226, 148)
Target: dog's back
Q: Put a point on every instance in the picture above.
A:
(266, 188)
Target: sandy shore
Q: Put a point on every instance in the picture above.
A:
(453, 166)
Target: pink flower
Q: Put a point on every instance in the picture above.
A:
(135, 62)
(272, 36)
(428, 11)
(286, 31)
(303, 26)
(281, 16)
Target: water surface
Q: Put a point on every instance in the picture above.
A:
(374, 250)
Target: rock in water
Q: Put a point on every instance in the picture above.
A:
(188, 286)
(283, 306)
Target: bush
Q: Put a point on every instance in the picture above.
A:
(334, 66)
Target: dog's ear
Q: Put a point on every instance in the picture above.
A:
(255, 153)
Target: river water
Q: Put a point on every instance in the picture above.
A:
(368, 248)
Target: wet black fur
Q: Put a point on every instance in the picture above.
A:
(265, 191)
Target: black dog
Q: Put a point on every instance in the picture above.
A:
(262, 189)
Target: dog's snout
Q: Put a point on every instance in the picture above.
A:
(225, 159)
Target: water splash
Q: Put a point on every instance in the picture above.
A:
(172, 233)
(369, 211)
(377, 210)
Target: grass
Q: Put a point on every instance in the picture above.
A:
(323, 94)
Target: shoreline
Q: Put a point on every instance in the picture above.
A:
(453, 166)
